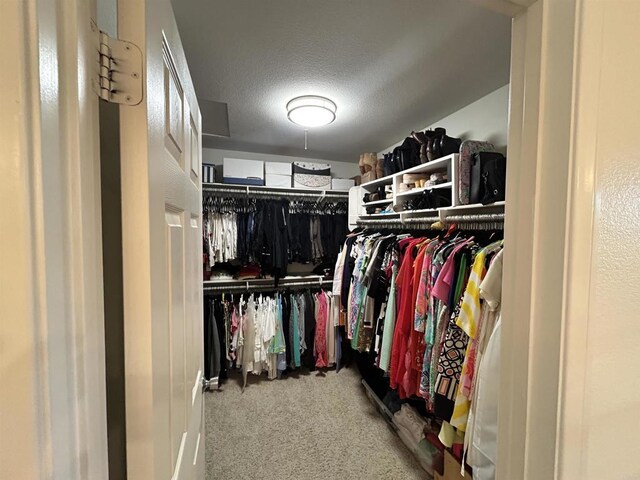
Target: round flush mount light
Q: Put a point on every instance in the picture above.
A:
(311, 111)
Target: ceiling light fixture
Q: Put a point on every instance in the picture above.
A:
(311, 111)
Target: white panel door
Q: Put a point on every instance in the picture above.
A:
(162, 254)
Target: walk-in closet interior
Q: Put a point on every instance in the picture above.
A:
(353, 207)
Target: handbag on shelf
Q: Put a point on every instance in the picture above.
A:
(407, 155)
(430, 199)
(488, 178)
(467, 150)
(390, 166)
(439, 198)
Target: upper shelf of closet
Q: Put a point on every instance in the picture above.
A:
(403, 205)
(430, 167)
(249, 190)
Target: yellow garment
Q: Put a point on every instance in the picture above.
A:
(449, 435)
(468, 319)
(470, 308)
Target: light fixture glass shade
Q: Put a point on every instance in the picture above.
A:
(311, 111)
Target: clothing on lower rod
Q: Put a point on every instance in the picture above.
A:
(270, 333)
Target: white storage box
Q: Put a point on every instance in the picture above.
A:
(311, 175)
(208, 174)
(277, 168)
(276, 180)
(243, 172)
(342, 183)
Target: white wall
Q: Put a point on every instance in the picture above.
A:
(485, 119)
(214, 156)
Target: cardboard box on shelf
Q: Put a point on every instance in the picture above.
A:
(357, 179)
(277, 168)
(276, 180)
(243, 172)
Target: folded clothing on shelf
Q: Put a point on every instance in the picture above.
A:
(436, 179)
(249, 271)
(409, 178)
(377, 210)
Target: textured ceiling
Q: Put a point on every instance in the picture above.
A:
(390, 66)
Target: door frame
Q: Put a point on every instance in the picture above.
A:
(542, 213)
(53, 375)
(45, 163)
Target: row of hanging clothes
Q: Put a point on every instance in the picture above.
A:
(423, 310)
(271, 333)
(272, 232)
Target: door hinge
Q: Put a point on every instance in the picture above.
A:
(118, 76)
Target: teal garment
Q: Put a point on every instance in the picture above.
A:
(295, 316)
(277, 344)
(389, 325)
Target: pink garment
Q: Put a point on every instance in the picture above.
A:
(234, 320)
(424, 288)
(442, 287)
(231, 354)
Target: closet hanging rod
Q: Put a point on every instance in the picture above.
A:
(421, 220)
(265, 281)
(379, 222)
(484, 217)
(420, 223)
(493, 221)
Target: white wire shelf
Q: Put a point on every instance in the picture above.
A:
(385, 201)
(377, 182)
(424, 211)
(229, 284)
(273, 191)
(381, 215)
(473, 212)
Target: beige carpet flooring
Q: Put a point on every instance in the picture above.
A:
(305, 427)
